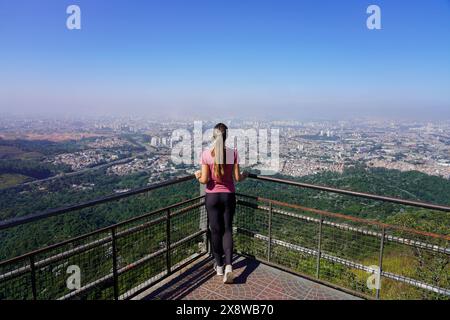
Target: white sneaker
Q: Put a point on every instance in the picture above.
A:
(229, 276)
(218, 269)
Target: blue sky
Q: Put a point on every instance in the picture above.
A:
(209, 58)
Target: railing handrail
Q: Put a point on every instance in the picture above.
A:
(58, 211)
(104, 229)
(353, 193)
(345, 217)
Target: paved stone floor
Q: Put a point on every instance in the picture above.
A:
(254, 281)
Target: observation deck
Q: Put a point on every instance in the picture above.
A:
(254, 281)
(282, 251)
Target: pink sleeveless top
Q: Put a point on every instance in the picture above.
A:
(226, 184)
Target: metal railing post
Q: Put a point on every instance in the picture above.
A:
(168, 266)
(203, 224)
(114, 261)
(269, 244)
(208, 237)
(380, 261)
(33, 277)
(319, 248)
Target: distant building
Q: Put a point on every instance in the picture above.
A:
(154, 141)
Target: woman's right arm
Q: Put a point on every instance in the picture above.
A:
(203, 174)
(238, 176)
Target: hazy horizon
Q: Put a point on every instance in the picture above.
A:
(277, 60)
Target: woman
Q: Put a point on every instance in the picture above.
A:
(219, 166)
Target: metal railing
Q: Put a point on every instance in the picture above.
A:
(73, 208)
(122, 260)
(352, 193)
(115, 262)
(344, 251)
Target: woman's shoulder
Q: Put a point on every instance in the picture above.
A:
(206, 156)
(206, 152)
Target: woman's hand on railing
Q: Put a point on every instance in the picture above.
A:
(198, 174)
(244, 175)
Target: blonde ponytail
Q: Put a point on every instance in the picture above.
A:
(220, 155)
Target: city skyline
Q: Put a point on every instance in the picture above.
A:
(211, 60)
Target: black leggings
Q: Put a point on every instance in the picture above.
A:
(221, 207)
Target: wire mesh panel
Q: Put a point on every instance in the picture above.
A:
(186, 251)
(141, 275)
(415, 266)
(137, 243)
(188, 226)
(251, 229)
(111, 263)
(15, 281)
(350, 254)
(294, 240)
(366, 257)
(60, 271)
(28, 237)
(185, 222)
(72, 270)
(139, 249)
